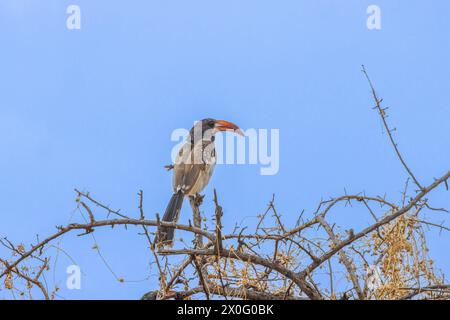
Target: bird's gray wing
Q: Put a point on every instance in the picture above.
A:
(186, 176)
(187, 169)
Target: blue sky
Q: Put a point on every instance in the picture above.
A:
(94, 109)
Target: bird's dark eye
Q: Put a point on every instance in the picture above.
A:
(211, 123)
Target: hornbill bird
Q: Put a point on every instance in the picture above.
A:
(194, 166)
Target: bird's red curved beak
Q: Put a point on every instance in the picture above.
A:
(223, 125)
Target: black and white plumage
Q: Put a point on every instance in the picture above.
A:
(192, 170)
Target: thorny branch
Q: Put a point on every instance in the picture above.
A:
(382, 113)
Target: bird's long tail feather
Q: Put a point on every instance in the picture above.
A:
(172, 213)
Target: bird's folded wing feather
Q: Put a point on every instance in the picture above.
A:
(188, 168)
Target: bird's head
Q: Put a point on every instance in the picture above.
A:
(207, 128)
(220, 125)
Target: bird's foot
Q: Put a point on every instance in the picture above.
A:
(198, 199)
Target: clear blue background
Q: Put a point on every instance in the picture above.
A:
(94, 109)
